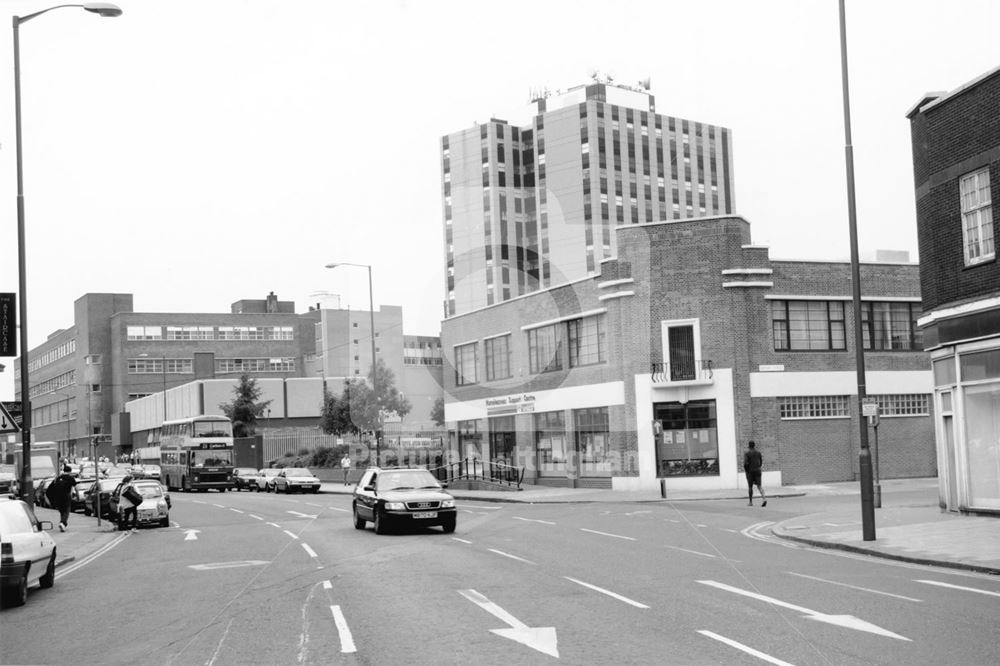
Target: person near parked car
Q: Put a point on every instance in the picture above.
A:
(126, 507)
(345, 465)
(59, 495)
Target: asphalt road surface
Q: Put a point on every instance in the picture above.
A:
(248, 578)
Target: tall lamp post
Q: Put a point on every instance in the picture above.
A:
(371, 313)
(865, 457)
(101, 9)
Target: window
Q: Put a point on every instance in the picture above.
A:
(808, 325)
(497, 357)
(465, 364)
(904, 404)
(144, 333)
(977, 217)
(686, 437)
(190, 333)
(545, 349)
(891, 326)
(814, 407)
(586, 339)
(550, 443)
(593, 440)
(234, 365)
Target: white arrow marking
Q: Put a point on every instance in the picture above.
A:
(534, 520)
(300, 515)
(227, 565)
(542, 639)
(191, 535)
(958, 587)
(848, 621)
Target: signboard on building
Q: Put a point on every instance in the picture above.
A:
(8, 325)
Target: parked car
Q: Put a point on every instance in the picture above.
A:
(29, 554)
(295, 479)
(8, 480)
(78, 498)
(391, 497)
(245, 478)
(151, 472)
(268, 476)
(40, 487)
(104, 487)
(155, 507)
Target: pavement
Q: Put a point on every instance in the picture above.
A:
(916, 530)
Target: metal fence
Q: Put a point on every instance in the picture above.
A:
(277, 444)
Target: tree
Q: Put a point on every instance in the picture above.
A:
(361, 403)
(437, 411)
(245, 408)
(335, 418)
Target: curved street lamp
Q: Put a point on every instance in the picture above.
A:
(101, 9)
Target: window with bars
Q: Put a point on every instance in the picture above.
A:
(977, 217)
(903, 404)
(808, 325)
(814, 407)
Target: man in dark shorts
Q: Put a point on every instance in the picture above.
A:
(752, 463)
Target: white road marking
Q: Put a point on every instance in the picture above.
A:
(534, 520)
(488, 508)
(462, 540)
(327, 585)
(199, 502)
(958, 587)
(617, 536)
(848, 621)
(745, 648)
(221, 641)
(337, 508)
(294, 536)
(236, 510)
(693, 552)
(90, 558)
(312, 553)
(513, 557)
(726, 529)
(542, 639)
(346, 640)
(636, 513)
(671, 520)
(227, 565)
(301, 515)
(611, 594)
(853, 587)
(191, 535)
(255, 517)
(313, 504)
(700, 525)
(275, 525)
(221, 506)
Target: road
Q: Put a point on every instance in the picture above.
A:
(246, 578)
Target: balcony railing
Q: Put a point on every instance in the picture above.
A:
(661, 373)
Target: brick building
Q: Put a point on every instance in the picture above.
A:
(687, 344)
(956, 164)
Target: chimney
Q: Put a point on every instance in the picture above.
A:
(271, 303)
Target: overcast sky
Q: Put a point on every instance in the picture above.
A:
(195, 154)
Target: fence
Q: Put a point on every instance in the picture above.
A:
(277, 444)
(472, 469)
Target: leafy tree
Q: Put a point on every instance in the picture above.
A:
(358, 407)
(245, 408)
(437, 411)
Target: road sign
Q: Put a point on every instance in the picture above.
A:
(869, 409)
(7, 421)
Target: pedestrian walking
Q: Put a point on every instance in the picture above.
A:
(60, 494)
(753, 461)
(126, 507)
(345, 465)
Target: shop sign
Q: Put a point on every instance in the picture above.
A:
(522, 403)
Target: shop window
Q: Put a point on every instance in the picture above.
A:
(550, 443)
(687, 441)
(593, 441)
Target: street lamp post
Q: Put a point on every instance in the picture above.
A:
(101, 9)
(371, 313)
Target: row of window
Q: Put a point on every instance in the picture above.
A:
(573, 343)
(54, 354)
(57, 412)
(54, 384)
(209, 332)
(839, 406)
(185, 366)
(821, 325)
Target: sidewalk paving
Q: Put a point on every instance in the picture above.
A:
(918, 532)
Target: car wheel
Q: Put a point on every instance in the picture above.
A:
(87, 511)
(448, 525)
(381, 526)
(49, 578)
(359, 522)
(165, 522)
(16, 594)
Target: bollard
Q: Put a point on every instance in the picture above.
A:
(663, 488)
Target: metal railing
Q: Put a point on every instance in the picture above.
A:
(473, 469)
(680, 372)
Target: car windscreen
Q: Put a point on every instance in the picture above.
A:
(297, 471)
(149, 491)
(407, 480)
(14, 519)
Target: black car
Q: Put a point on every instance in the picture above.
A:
(245, 478)
(391, 497)
(103, 488)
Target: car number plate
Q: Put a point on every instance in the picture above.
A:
(426, 514)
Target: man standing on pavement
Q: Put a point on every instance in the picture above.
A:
(60, 493)
(345, 464)
(752, 464)
(126, 507)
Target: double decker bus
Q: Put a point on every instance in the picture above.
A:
(196, 453)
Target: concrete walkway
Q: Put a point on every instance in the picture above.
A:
(919, 532)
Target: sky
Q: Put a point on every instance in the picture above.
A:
(194, 155)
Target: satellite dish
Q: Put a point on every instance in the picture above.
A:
(644, 84)
(593, 74)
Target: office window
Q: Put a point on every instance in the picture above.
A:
(465, 364)
(586, 339)
(977, 217)
(144, 333)
(497, 357)
(903, 404)
(545, 349)
(808, 325)
(892, 326)
(190, 333)
(814, 407)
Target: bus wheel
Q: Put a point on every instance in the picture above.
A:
(185, 486)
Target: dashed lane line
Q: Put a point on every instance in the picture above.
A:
(613, 595)
(534, 520)
(294, 536)
(513, 557)
(617, 536)
(853, 587)
(958, 587)
(745, 648)
(346, 639)
(310, 551)
(693, 552)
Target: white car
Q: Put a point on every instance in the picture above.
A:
(28, 553)
(297, 479)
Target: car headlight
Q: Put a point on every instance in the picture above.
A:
(395, 506)
(448, 504)
(162, 508)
